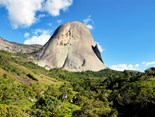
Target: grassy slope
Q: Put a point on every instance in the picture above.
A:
(21, 82)
(29, 90)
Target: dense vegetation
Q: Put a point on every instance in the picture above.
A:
(31, 91)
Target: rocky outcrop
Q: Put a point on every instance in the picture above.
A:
(72, 48)
(17, 48)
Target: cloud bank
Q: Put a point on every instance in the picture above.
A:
(40, 36)
(53, 7)
(149, 63)
(122, 67)
(22, 13)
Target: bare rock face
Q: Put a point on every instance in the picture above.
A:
(71, 48)
(17, 48)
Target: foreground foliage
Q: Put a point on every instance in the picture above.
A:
(28, 90)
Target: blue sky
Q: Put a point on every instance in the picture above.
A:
(125, 29)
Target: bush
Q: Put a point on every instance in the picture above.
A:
(10, 111)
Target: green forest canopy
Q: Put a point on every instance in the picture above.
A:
(29, 90)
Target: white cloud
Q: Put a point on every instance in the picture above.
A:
(89, 26)
(89, 22)
(148, 63)
(54, 7)
(88, 19)
(41, 16)
(59, 21)
(122, 67)
(137, 65)
(40, 36)
(26, 35)
(99, 47)
(22, 13)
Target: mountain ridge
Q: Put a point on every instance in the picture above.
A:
(16, 47)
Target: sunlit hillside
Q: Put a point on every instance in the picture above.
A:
(31, 91)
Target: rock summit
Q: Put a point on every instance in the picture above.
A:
(72, 48)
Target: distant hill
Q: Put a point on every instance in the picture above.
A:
(17, 48)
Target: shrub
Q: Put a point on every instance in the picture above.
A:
(10, 111)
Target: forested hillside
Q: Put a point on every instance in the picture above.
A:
(27, 90)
